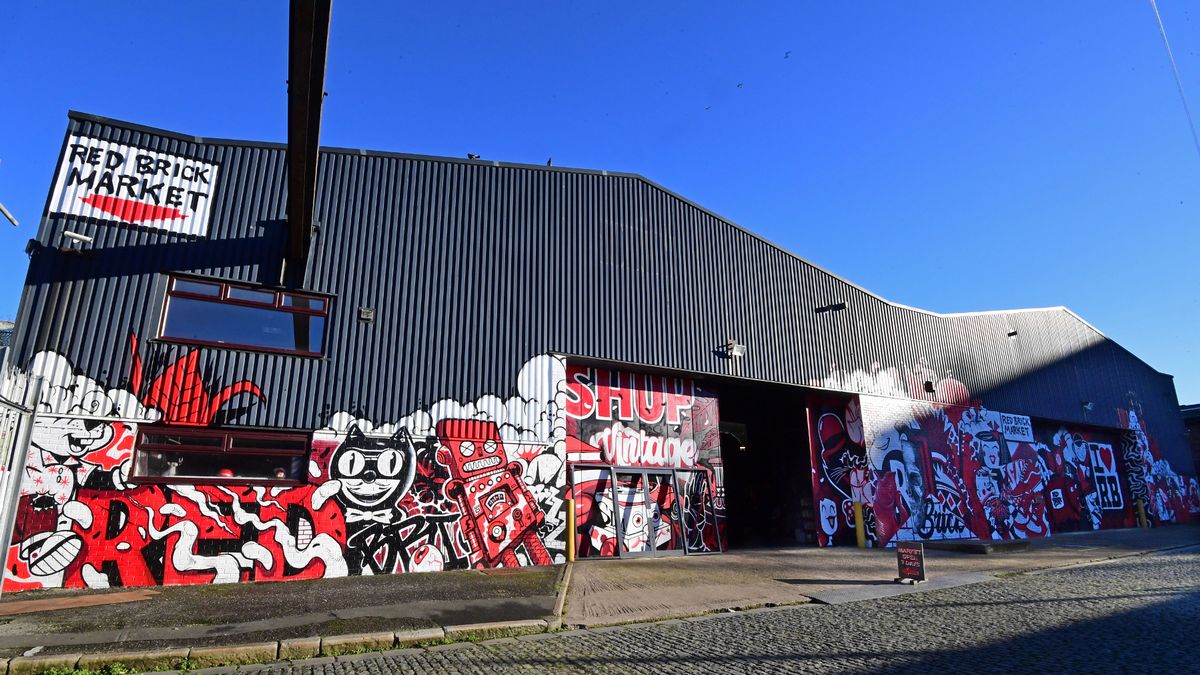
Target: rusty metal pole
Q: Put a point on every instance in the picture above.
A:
(860, 532)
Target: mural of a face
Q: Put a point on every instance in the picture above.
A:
(1079, 450)
(986, 488)
(837, 460)
(987, 445)
(900, 456)
(72, 437)
(828, 516)
(634, 519)
(373, 471)
(642, 523)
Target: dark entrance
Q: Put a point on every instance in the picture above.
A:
(767, 465)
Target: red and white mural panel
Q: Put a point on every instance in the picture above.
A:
(632, 421)
(929, 466)
(1169, 497)
(456, 485)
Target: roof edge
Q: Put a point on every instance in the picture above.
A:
(89, 117)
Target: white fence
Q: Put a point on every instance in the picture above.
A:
(18, 407)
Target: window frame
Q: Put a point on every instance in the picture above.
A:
(227, 437)
(222, 298)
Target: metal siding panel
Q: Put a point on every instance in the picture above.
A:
(474, 268)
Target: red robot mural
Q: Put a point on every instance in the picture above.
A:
(499, 513)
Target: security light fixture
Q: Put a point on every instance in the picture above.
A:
(1088, 405)
(1012, 334)
(835, 307)
(366, 314)
(929, 388)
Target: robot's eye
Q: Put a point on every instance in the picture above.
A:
(390, 463)
(351, 463)
(490, 447)
(467, 448)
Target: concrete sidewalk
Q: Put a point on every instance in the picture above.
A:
(605, 592)
(199, 626)
(212, 615)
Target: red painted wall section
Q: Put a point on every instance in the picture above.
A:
(926, 470)
(457, 485)
(619, 422)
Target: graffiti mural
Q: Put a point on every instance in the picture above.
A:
(636, 421)
(1084, 491)
(951, 472)
(1166, 496)
(453, 486)
(499, 513)
(840, 472)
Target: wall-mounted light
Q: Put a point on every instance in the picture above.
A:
(835, 307)
(75, 236)
(1088, 405)
(366, 314)
(1012, 334)
(929, 388)
(80, 251)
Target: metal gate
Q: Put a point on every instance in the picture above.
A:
(19, 397)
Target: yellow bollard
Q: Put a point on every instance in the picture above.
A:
(570, 530)
(860, 533)
(1142, 513)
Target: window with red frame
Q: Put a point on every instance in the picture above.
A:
(219, 313)
(173, 455)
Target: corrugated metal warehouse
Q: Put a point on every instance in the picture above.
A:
(470, 343)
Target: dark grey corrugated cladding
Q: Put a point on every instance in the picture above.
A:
(474, 267)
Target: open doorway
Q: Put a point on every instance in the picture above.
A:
(767, 465)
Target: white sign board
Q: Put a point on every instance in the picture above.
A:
(1016, 428)
(111, 181)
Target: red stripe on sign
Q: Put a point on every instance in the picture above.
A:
(132, 211)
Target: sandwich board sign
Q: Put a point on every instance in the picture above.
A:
(910, 558)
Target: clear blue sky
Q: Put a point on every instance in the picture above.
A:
(955, 156)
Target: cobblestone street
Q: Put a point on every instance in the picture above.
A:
(1133, 614)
